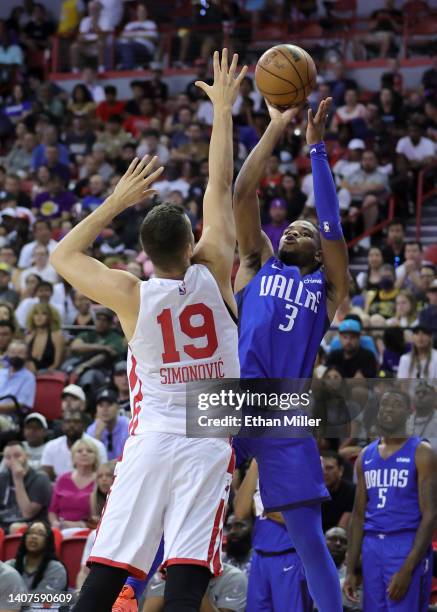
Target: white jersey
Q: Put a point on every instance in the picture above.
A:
(184, 333)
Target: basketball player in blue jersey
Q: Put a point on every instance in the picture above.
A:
(394, 516)
(286, 303)
(277, 579)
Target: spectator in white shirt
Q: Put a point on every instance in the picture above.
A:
(421, 362)
(56, 459)
(42, 233)
(418, 150)
(91, 41)
(41, 267)
(351, 110)
(137, 42)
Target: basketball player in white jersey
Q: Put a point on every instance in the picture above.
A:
(180, 326)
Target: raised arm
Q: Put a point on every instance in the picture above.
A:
(334, 249)
(216, 247)
(426, 464)
(243, 501)
(355, 535)
(116, 289)
(253, 245)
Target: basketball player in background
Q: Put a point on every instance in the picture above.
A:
(285, 307)
(185, 316)
(277, 578)
(394, 515)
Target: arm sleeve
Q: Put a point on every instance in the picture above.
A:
(325, 194)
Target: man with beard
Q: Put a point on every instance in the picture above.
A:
(56, 458)
(394, 516)
(285, 306)
(239, 544)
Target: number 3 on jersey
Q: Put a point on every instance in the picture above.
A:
(206, 329)
(291, 317)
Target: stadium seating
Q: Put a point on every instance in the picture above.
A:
(48, 394)
(71, 555)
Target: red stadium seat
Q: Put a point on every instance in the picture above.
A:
(430, 254)
(71, 556)
(10, 546)
(48, 394)
(82, 532)
(2, 537)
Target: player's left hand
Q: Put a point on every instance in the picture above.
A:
(224, 91)
(134, 185)
(399, 584)
(317, 125)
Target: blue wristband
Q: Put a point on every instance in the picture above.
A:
(325, 194)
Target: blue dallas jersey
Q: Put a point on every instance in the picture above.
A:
(282, 320)
(392, 492)
(270, 536)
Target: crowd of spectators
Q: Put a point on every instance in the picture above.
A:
(61, 154)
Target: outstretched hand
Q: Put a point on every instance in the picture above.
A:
(224, 91)
(134, 185)
(284, 117)
(317, 125)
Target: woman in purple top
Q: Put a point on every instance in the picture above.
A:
(70, 504)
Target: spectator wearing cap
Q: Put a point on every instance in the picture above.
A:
(56, 459)
(121, 383)
(16, 380)
(35, 431)
(278, 223)
(137, 42)
(421, 361)
(10, 207)
(73, 398)
(109, 426)
(424, 419)
(95, 350)
(24, 492)
(6, 293)
(345, 167)
(353, 360)
(366, 341)
(42, 234)
(428, 316)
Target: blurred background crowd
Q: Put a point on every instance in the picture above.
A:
(66, 139)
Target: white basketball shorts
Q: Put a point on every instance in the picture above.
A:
(166, 484)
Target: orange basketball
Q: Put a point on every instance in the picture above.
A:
(285, 75)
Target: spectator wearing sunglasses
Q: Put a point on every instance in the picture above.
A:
(109, 426)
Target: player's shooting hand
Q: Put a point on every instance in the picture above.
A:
(224, 91)
(134, 185)
(350, 588)
(284, 117)
(399, 584)
(316, 125)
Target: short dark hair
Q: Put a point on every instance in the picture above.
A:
(44, 283)
(165, 233)
(396, 391)
(8, 323)
(414, 242)
(110, 90)
(395, 221)
(330, 454)
(45, 222)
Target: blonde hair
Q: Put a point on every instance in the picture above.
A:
(53, 318)
(89, 444)
(409, 295)
(98, 499)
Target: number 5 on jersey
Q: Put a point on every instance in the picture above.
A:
(206, 329)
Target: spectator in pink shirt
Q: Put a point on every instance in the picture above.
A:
(70, 504)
